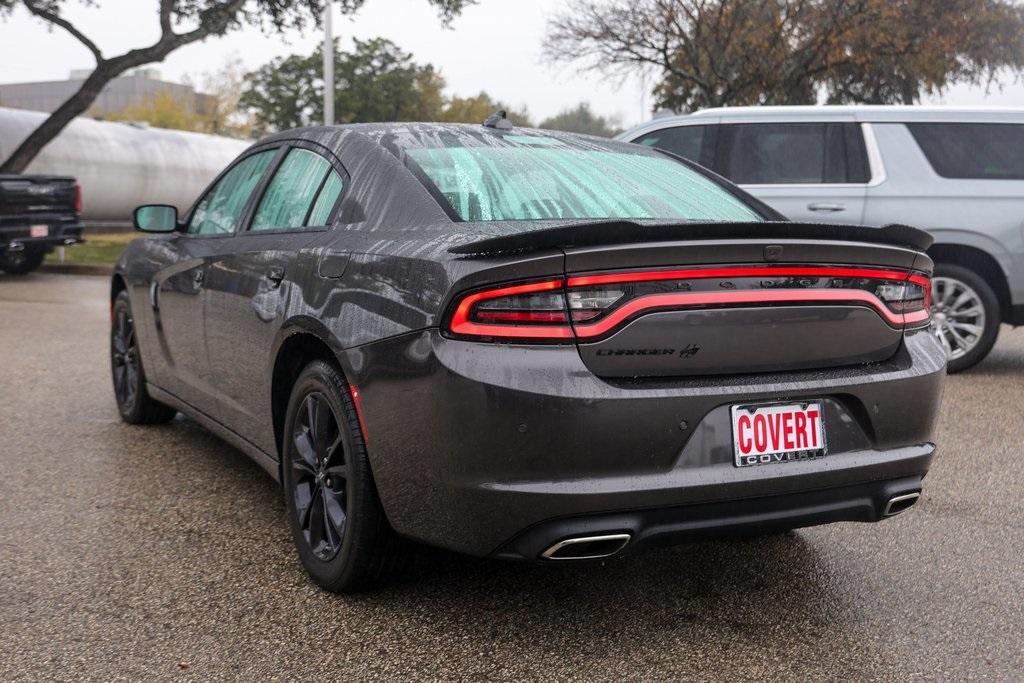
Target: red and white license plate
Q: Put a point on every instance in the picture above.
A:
(767, 434)
(38, 230)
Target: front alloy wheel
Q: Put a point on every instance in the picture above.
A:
(134, 403)
(124, 359)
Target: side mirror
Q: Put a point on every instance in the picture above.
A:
(156, 218)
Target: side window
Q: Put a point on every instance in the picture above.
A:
(218, 212)
(302, 193)
(326, 200)
(788, 153)
(993, 151)
(695, 143)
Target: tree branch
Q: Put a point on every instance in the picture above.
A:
(58, 20)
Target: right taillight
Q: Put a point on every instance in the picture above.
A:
(78, 198)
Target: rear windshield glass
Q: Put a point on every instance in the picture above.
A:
(993, 151)
(491, 177)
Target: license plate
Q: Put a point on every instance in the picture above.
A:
(767, 434)
(38, 230)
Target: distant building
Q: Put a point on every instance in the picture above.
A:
(132, 88)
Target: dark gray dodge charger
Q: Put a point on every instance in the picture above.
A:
(527, 345)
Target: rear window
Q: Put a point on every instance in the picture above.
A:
(493, 177)
(696, 143)
(993, 151)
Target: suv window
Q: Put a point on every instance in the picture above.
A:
(218, 212)
(992, 151)
(793, 153)
(696, 143)
(302, 193)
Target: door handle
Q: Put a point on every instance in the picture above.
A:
(826, 207)
(275, 274)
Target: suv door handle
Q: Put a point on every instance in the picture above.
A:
(275, 274)
(826, 207)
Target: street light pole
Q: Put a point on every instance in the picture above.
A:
(328, 66)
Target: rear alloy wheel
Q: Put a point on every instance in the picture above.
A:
(965, 315)
(339, 527)
(133, 401)
(21, 262)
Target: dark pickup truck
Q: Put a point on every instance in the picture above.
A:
(37, 213)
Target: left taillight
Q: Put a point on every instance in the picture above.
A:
(78, 198)
(534, 311)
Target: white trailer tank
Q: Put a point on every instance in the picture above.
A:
(121, 165)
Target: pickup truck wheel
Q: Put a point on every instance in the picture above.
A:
(133, 401)
(965, 315)
(21, 262)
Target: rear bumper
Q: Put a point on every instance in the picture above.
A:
(494, 449)
(18, 235)
(864, 502)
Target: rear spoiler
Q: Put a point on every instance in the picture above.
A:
(622, 232)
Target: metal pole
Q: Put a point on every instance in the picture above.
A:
(328, 67)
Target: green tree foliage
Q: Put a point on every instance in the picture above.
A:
(709, 53)
(477, 108)
(580, 119)
(181, 22)
(376, 81)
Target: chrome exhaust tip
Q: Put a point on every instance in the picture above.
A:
(898, 504)
(587, 547)
(16, 246)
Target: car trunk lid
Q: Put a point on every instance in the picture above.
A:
(705, 307)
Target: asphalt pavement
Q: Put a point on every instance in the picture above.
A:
(162, 553)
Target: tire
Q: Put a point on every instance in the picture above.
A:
(21, 262)
(344, 540)
(134, 403)
(968, 336)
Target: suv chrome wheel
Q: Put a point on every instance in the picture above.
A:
(958, 316)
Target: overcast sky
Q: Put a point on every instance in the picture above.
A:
(493, 46)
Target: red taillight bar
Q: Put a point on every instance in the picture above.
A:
(78, 198)
(742, 271)
(653, 302)
(462, 324)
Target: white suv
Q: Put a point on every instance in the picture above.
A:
(957, 172)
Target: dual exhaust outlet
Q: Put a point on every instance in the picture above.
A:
(605, 545)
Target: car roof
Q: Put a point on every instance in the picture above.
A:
(863, 113)
(412, 131)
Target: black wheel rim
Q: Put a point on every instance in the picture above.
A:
(319, 476)
(124, 354)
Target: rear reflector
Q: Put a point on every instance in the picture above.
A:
(587, 307)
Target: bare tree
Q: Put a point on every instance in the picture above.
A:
(204, 18)
(709, 53)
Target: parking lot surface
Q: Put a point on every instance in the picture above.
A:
(161, 552)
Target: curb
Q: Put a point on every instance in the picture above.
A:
(76, 269)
